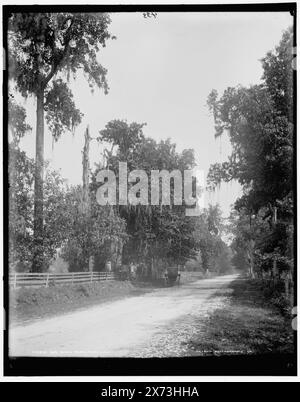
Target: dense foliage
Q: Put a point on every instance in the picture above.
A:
(68, 229)
(155, 236)
(259, 122)
(44, 49)
(48, 217)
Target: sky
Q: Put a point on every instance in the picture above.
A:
(160, 72)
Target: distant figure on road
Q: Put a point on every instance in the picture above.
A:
(132, 270)
(108, 266)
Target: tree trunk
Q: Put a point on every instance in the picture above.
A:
(37, 265)
(85, 172)
(250, 252)
(274, 260)
(86, 207)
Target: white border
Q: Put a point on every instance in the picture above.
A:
(130, 379)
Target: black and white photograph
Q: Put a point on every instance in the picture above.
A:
(149, 159)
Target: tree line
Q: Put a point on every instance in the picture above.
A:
(260, 123)
(151, 236)
(45, 213)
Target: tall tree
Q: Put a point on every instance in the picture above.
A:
(278, 74)
(161, 234)
(42, 46)
(259, 121)
(207, 233)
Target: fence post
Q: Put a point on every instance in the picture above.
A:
(47, 280)
(72, 278)
(91, 276)
(15, 281)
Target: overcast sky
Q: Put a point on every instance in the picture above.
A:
(160, 71)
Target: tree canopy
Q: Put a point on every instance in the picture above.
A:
(259, 122)
(44, 50)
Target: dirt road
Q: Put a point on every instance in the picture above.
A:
(154, 324)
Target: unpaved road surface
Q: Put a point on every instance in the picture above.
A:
(155, 324)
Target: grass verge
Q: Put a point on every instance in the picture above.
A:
(248, 324)
(29, 304)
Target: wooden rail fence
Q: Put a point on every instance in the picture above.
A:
(26, 279)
